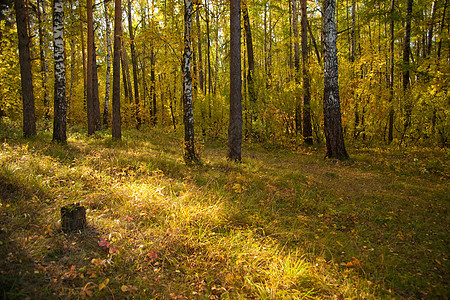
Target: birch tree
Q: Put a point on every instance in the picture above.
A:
(60, 107)
(190, 154)
(331, 103)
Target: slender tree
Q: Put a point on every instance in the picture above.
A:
(60, 107)
(331, 103)
(307, 126)
(391, 75)
(43, 58)
(251, 61)
(116, 125)
(199, 44)
(108, 66)
(298, 106)
(406, 57)
(235, 127)
(29, 118)
(90, 68)
(190, 154)
(135, 68)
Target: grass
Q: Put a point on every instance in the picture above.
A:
(281, 225)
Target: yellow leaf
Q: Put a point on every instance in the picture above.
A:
(102, 285)
(124, 288)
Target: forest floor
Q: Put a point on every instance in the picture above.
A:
(282, 224)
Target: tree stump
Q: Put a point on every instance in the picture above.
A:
(73, 217)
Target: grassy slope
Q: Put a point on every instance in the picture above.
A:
(279, 225)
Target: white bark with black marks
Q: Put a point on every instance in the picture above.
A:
(60, 107)
(331, 103)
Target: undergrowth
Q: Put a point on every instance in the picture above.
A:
(280, 225)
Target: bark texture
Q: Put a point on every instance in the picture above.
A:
(60, 107)
(188, 116)
(116, 125)
(29, 118)
(331, 103)
(235, 127)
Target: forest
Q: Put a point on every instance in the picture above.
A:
(241, 149)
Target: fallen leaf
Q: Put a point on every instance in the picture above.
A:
(102, 285)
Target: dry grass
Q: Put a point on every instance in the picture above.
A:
(281, 225)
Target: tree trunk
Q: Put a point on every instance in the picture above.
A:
(90, 69)
(190, 154)
(116, 119)
(331, 103)
(97, 115)
(235, 127)
(199, 44)
(307, 126)
(406, 57)
(298, 106)
(251, 62)
(316, 50)
(29, 118)
(126, 72)
(83, 53)
(43, 59)
(153, 85)
(208, 51)
(108, 67)
(60, 109)
(134, 63)
(391, 76)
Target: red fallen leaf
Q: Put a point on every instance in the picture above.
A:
(103, 243)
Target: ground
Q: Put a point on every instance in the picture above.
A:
(283, 224)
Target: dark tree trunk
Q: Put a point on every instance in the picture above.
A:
(307, 126)
(316, 49)
(29, 118)
(406, 57)
(298, 105)
(60, 108)
(251, 61)
(331, 103)
(235, 127)
(153, 85)
(199, 44)
(43, 59)
(134, 63)
(116, 125)
(126, 73)
(208, 51)
(391, 76)
(190, 154)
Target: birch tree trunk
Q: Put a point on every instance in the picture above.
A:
(235, 127)
(199, 44)
(190, 154)
(331, 103)
(29, 118)
(60, 108)
(108, 67)
(96, 99)
(90, 64)
(116, 126)
(307, 126)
